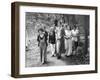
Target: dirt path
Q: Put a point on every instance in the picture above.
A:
(32, 58)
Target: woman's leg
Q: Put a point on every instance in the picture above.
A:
(51, 46)
(42, 47)
(45, 54)
(76, 45)
(53, 50)
(57, 46)
(58, 49)
(73, 47)
(41, 54)
(66, 46)
(69, 47)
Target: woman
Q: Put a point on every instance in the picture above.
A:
(52, 41)
(58, 40)
(75, 33)
(42, 45)
(68, 41)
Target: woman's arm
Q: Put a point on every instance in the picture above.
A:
(38, 40)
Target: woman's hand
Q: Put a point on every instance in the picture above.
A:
(65, 36)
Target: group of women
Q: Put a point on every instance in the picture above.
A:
(60, 37)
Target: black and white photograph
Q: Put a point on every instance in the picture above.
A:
(51, 39)
(56, 39)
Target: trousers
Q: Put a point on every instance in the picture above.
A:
(52, 46)
(43, 52)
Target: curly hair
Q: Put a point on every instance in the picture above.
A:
(40, 30)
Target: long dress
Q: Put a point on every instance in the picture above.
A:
(68, 42)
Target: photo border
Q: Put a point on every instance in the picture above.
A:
(15, 32)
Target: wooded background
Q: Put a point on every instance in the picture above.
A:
(34, 21)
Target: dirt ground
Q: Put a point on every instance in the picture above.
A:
(33, 58)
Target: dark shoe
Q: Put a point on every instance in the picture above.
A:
(67, 55)
(52, 55)
(45, 61)
(58, 57)
(42, 63)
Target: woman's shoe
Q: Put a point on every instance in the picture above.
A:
(52, 55)
(67, 55)
(58, 57)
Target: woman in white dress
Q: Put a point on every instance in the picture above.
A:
(68, 40)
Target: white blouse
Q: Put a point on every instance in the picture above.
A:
(75, 34)
(58, 32)
(68, 34)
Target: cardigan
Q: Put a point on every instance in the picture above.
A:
(52, 38)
